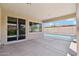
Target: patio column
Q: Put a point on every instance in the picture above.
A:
(77, 15)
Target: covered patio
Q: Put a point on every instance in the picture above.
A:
(22, 29)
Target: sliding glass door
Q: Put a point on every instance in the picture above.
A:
(16, 29)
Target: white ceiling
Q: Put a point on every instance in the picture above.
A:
(41, 10)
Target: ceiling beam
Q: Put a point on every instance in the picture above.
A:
(72, 15)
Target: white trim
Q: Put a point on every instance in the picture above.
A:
(12, 36)
(12, 24)
(17, 41)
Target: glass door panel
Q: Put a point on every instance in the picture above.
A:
(12, 29)
(21, 29)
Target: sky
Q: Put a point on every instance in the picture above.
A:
(71, 21)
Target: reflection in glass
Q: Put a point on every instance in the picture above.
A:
(12, 20)
(12, 29)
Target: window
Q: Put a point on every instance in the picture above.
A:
(35, 27)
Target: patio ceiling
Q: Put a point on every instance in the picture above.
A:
(42, 11)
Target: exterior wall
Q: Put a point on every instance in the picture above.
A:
(61, 30)
(34, 35)
(0, 25)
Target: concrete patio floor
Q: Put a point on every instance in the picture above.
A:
(39, 47)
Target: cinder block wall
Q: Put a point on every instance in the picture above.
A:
(61, 30)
